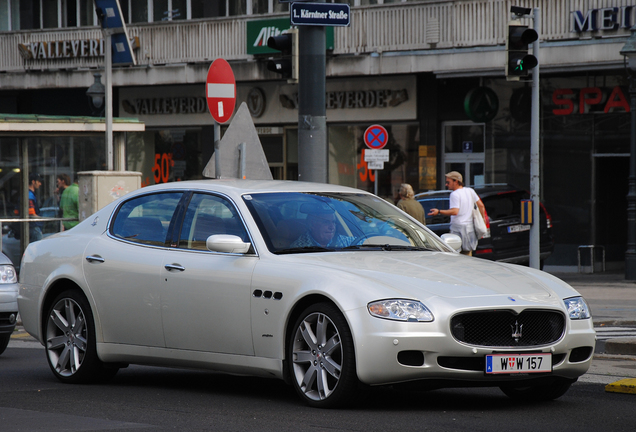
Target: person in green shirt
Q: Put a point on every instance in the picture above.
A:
(69, 201)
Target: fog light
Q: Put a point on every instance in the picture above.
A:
(12, 319)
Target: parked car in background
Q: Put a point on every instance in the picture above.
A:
(8, 301)
(507, 240)
(322, 285)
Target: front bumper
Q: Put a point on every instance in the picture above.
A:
(390, 352)
(8, 308)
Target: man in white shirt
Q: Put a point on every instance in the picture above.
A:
(460, 210)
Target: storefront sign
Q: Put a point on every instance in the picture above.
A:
(172, 105)
(353, 99)
(589, 99)
(610, 18)
(66, 49)
(258, 31)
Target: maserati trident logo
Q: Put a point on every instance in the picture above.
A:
(517, 329)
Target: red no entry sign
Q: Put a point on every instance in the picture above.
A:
(220, 90)
(376, 137)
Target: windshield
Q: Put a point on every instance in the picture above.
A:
(319, 222)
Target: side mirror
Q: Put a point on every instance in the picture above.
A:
(453, 240)
(227, 243)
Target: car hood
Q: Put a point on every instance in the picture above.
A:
(437, 274)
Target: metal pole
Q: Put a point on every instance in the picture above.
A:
(313, 150)
(217, 144)
(242, 160)
(109, 102)
(535, 229)
(630, 254)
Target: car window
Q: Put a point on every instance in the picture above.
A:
(316, 222)
(504, 205)
(207, 215)
(146, 219)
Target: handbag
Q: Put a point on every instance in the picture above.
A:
(478, 223)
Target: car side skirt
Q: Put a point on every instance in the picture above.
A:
(166, 357)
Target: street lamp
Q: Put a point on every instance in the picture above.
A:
(95, 95)
(629, 52)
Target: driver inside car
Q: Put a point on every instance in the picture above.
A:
(322, 231)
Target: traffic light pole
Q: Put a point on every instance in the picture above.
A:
(312, 118)
(535, 160)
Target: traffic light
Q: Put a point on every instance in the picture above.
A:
(287, 65)
(518, 61)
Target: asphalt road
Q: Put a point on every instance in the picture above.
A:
(160, 399)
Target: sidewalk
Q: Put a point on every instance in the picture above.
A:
(613, 303)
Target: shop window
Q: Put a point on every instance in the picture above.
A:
(347, 165)
(169, 155)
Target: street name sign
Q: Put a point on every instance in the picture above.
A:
(220, 90)
(320, 14)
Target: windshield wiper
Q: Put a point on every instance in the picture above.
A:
(304, 249)
(386, 247)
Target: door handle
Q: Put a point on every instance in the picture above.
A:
(95, 258)
(174, 267)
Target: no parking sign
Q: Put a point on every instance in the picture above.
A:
(376, 137)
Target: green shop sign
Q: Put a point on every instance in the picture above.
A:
(259, 31)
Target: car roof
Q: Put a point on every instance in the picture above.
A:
(240, 187)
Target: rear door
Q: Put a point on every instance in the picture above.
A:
(123, 270)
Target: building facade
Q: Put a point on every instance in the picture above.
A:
(430, 72)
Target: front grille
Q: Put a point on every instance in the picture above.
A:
(505, 328)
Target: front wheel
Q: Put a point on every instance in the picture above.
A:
(70, 341)
(540, 392)
(321, 357)
(4, 341)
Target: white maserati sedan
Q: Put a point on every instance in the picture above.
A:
(330, 288)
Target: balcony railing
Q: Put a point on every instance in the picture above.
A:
(409, 26)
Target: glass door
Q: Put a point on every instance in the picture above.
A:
(464, 151)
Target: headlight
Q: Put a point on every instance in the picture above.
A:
(577, 308)
(7, 274)
(400, 310)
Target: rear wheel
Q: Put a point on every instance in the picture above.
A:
(70, 341)
(4, 341)
(321, 357)
(539, 393)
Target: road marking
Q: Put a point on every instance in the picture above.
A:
(603, 333)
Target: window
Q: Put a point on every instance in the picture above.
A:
(209, 215)
(146, 219)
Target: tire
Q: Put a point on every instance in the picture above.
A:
(4, 341)
(539, 393)
(322, 358)
(70, 341)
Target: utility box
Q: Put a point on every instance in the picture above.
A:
(97, 189)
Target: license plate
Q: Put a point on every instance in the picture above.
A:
(518, 228)
(518, 363)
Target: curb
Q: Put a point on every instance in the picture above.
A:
(623, 346)
(627, 385)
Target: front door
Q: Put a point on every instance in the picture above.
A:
(464, 151)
